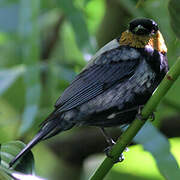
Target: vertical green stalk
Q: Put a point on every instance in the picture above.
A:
(30, 51)
(136, 125)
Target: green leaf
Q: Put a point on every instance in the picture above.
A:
(77, 20)
(9, 76)
(29, 39)
(174, 11)
(11, 14)
(33, 89)
(140, 164)
(8, 2)
(158, 145)
(9, 150)
(4, 175)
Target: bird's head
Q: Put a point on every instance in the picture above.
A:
(143, 32)
(143, 27)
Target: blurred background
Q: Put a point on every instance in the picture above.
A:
(43, 45)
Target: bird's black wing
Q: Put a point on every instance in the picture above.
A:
(110, 68)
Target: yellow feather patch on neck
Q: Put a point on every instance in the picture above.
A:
(138, 41)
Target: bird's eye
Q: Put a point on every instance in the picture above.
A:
(140, 30)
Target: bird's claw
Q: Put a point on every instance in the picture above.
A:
(108, 150)
(126, 149)
(139, 115)
(152, 116)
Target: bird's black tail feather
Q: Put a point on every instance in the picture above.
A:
(45, 132)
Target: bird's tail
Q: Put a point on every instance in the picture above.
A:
(48, 129)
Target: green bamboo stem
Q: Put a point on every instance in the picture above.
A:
(136, 125)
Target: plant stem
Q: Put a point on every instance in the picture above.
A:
(136, 125)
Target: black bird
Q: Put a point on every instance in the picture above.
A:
(108, 92)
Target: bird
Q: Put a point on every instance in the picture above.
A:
(109, 90)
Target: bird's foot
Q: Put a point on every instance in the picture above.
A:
(108, 150)
(139, 115)
(152, 116)
(126, 149)
(111, 142)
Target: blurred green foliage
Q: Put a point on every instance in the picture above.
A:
(44, 44)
